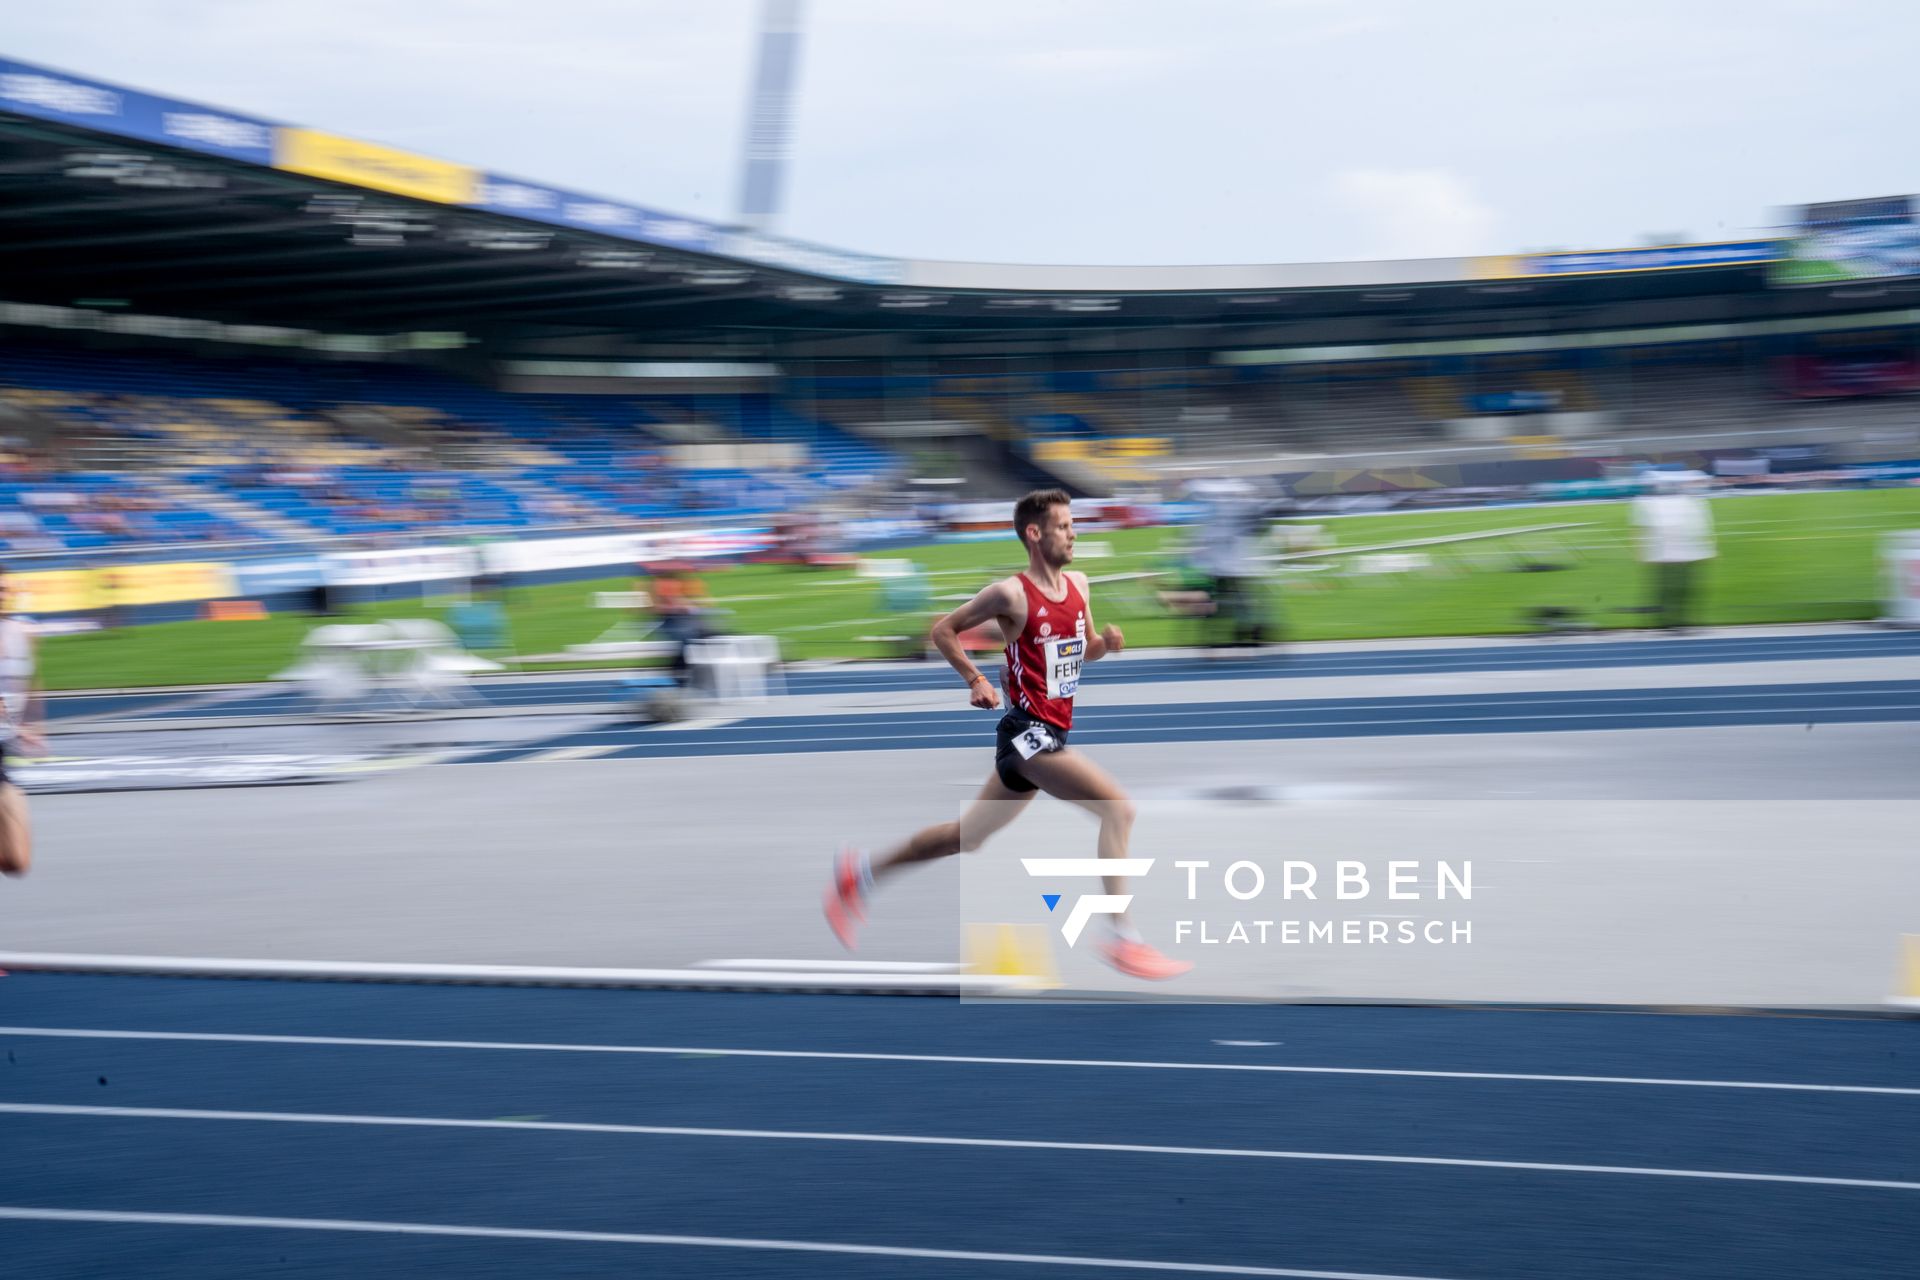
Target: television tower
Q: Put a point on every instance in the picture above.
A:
(770, 114)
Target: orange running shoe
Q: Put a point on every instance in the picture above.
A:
(1138, 960)
(846, 899)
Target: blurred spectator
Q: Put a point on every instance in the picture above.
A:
(1228, 554)
(680, 603)
(1676, 535)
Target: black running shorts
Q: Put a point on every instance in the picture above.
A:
(1007, 743)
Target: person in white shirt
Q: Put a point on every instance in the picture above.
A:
(1228, 551)
(1676, 536)
(19, 732)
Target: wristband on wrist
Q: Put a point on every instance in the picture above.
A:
(978, 675)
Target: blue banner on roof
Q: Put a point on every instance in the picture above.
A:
(58, 96)
(538, 203)
(1661, 258)
(54, 95)
(813, 259)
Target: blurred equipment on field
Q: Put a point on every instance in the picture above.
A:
(480, 620)
(735, 668)
(1900, 553)
(906, 600)
(635, 633)
(402, 664)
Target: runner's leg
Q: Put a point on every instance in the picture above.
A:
(16, 835)
(995, 806)
(854, 874)
(1068, 775)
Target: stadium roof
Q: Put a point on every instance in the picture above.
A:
(172, 208)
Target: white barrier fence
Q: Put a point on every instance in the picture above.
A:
(1900, 556)
(389, 566)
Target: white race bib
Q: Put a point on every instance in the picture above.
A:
(1034, 739)
(1063, 654)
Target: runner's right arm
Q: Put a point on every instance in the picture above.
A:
(995, 601)
(32, 736)
(28, 738)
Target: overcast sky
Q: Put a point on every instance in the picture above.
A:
(1092, 131)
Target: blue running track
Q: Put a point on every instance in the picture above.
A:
(197, 1129)
(1856, 702)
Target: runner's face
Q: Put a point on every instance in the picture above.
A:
(1055, 543)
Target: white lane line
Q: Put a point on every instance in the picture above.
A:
(1503, 657)
(828, 626)
(1223, 671)
(1206, 725)
(494, 975)
(697, 1242)
(835, 966)
(1263, 1068)
(927, 1140)
(682, 726)
(946, 718)
(1212, 726)
(1462, 702)
(1510, 658)
(567, 753)
(1439, 703)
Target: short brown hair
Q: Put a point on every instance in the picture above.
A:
(1030, 509)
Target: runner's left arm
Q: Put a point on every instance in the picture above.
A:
(1103, 642)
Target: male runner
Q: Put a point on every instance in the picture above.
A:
(19, 712)
(1046, 619)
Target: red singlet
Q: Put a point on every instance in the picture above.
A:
(1043, 662)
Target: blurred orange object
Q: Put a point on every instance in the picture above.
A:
(235, 611)
(983, 639)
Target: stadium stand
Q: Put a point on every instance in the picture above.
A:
(134, 446)
(119, 447)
